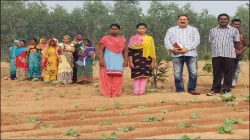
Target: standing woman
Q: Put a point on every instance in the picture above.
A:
(42, 45)
(85, 62)
(21, 61)
(78, 44)
(35, 60)
(66, 61)
(113, 57)
(141, 58)
(12, 60)
(50, 61)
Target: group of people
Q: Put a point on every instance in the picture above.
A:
(49, 60)
(70, 62)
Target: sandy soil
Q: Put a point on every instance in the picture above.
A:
(21, 101)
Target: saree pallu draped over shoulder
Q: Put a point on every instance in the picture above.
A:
(21, 64)
(35, 62)
(12, 62)
(111, 75)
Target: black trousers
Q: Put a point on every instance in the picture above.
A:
(222, 66)
(75, 54)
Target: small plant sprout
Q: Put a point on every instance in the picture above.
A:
(233, 103)
(76, 105)
(123, 114)
(207, 67)
(239, 110)
(126, 129)
(100, 109)
(15, 115)
(25, 90)
(215, 101)
(72, 132)
(233, 121)
(62, 112)
(46, 81)
(153, 119)
(182, 103)
(111, 137)
(106, 122)
(165, 111)
(33, 120)
(117, 104)
(195, 116)
(164, 101)
(226, 128)
(82, 117)
(227, 97)
(246, 98)
(143, 107)
(9, 95)
(185, 137)
(196, 100)
(47, 126)
(186, 125)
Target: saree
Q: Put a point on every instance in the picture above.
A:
(12, 62)
(50, 66)
(84, 65)
(111, 77)
(142, 52)
(66, 64)
(35, 58)
(78, 45)
(21, 64)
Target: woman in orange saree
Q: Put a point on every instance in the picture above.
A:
(113, 57)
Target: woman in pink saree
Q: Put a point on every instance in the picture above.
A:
(113, 57)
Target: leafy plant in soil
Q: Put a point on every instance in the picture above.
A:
(165, 111)
(196, 100)
(143, 107)
(82, 117)
(182, 103)
(47, 126)
(246, 98)
(233, 103)
(111, 137)
(61, 112)
(164, 101)
(226, 128)
(72, 132)
(122, 113)
(207, 67)
(106, 122)
(117, 104)
(227, 97)
(186, 125)
(195, 116)
(240, 110)
(100, 109)
(215, 101)
(153, 119)
(126, 129)
(76, 105)
(185, 137)
(233, 121)
(33, 120)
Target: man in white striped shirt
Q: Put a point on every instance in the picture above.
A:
(225, 40)
(183, 40)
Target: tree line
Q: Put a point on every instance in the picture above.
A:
(27, 20)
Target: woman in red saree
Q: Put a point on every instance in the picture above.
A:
(113, 57)
(21, 61)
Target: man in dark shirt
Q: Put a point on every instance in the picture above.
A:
(244, 44)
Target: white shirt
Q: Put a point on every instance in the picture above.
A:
(188, 37)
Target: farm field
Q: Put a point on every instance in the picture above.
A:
(33, 109)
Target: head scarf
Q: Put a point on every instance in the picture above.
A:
(16, 41)
(46, 53)
(41, 40)
(147, 45)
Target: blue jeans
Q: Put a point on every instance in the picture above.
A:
(191, 63)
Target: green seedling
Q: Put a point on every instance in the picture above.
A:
(72, 132)
(246, 98)
(15, 115)
(76, 105)
(143, 107)
(164, 101)
(26, 90)
(215, 101)
(165, 111)
(100, 109)
(9, 95)
(182, 103)
(185, 137)
(62, 112)
(233, 103)
(195, 116)
(123, 114)
(196, 100)
(226, 129)
(117, 104)
(106, 122)
(233, 121)
(153, 119)
(126, 129)
(47, 126)
(82, 117)
(227, 97)
(111, 137)
(33, 120)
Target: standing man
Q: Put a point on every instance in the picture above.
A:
(244, 44)
(12, 60)
(224, 40)
(78, 44)
(183, 40)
